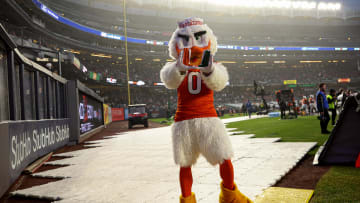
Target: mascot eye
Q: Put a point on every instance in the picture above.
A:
(198, 35)
(185, 37)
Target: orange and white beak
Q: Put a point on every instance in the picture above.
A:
(193, 56)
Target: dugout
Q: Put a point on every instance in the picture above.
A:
(40, 111)
(33, 116)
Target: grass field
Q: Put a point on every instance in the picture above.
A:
(161, 120)
(231, 116)
(303, 129)
(339, 184)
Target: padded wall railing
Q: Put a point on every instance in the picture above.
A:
(39, 111)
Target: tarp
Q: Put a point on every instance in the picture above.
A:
(343, 145)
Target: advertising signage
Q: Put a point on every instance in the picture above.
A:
(90, 113)
(111, 80)
(29, 140)
(344, 80)
(289, 82)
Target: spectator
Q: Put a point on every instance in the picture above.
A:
(323, 106)
(331, 98)
(249, 108)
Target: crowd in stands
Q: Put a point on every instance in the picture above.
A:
(307, 73)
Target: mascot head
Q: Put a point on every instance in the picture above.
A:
(192, 37)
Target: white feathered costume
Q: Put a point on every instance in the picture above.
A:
(197, 129)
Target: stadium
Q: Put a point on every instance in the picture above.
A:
(77, 75)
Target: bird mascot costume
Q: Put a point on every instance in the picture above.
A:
(197, 129)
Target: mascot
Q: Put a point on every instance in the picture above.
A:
(197, 129)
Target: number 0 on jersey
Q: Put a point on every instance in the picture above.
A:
(194, 82)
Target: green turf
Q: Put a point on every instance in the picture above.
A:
(340, 184)
(302, 129)
(164, 121)
(231, 115)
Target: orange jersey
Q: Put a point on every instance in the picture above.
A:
(195, 99)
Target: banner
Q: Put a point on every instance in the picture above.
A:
(117, 114)
(126, 114)
(90, 113)
(307, 85)
(94, 76)
(111, 80)
(289, 82)
(107, 114)
(29, 140)
(344, 80)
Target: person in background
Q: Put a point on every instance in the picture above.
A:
(339, 97)
(346, 94)
(331, 98)
(312, 106)
(248, 108)
(304, 104)
(323, 106)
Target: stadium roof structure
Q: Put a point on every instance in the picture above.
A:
(290, 8)
(87, 29)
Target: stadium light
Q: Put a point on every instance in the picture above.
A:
(226, 61)
(72, 51)
(279, 4)
(255, 62)
(279, 61)
(310, 61)
(329, 6)
(101, 55)
(138, 59)
(156, 60)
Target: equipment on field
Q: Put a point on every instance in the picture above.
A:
(137, 115)
(286, 101)
(260, 91)
(343, 145)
